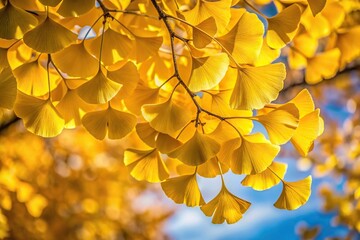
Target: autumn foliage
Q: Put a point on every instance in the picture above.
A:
(182, 82)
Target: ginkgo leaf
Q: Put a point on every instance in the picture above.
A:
(200, 39)
(309, 129)
(283, 26)
(142, 95)
(98, 89)
(225, 207)
(128, 76)
(15, 22)
(71, 107)
(115, 47)
(207, 72)
(280, 123)
(82, 63)
(183, 189)
(8, 89)
(166, 117)
(49, 37)
(323, 66)
(211, 168)
(39, 116)
(266, 179)
(349, 47)
(257, 86)
(75, 8)
(32, 79)
(111, 122)
(294, 194)
(267, 54)
(51, 3)
(165, 143)
(245, 39)
(227, 149)
(254, 155)
(220, 10)
(304, 102)
(147, 134)
(147, 47)
(145, 165)
(316, 6)
(197, 150)
(317, 27)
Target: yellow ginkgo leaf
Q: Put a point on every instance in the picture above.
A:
(197, 150)
(166, 117)
(309, 128)
(227, 149)
(266, 179)
(165, 143)
(211, 168)
(323, 66)
(147, 134)
(349, 47)
(19, 54)
(39, 116)
(294, 194)
(51, 3)
(24, 191)
(280, 123)
(8, 88)
(115, 47)
(75, 8)
(334, 13)
(82, 63)
(32, 79)
(225, 207)
(267, 54)
(183, 189)
(318, 26)
(49, 37)
(200, 39)
(283, 26)
(147, 47)
(128, 76)
(304, 102)
(254, 155)
(15, 22)
(316, 6)
(146, 165)
(71, 108)
(257, 86)
(114, 123)
(142, 95)
(98, 89)
(220, 10)
(207, 72)
(245, 39)
(36, 205)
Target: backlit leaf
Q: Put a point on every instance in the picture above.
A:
(197, 150)
(207, 72)
(145, 165)
(225, 207)
(39, 116)
(183, 189)
(266, 179)
(294, 194)
(49, 37)
(254, 155)
(257, 86)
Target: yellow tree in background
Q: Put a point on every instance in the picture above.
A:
(181, 82)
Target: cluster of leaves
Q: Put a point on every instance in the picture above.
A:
(338, 154)
(71, 187)
(183, 81)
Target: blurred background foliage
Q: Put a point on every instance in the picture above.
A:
(72, 187)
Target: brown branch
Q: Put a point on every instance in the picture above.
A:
(10, 122)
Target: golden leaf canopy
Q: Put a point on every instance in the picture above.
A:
(182, 84)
